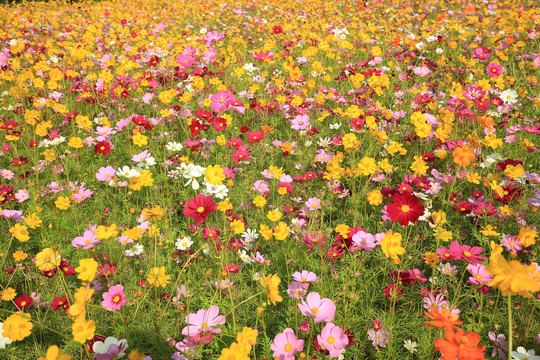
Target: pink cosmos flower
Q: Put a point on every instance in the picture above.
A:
(364, 240)
(479, 274)
(319, 309)
(203, 322)
(115, 298)
(210, 56)
(286, 344)
(512, 243)
(333, 339)
(305, 276)
(261, 186)
(87, 241)
(422, 71)
(313, 204)
(465, 252)
(222, 100)
(494, 69)
(536, 61)
(297, 289)
(185, 60)
(106, 173)
(301, 122)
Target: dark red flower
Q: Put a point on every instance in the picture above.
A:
(195, 127)
(405, 208)
(200, 207)
(19, 161)
(392, 292)
(60, 302)
(23, 301)
(103, 147)
(67, 269)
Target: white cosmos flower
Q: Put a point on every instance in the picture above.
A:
(192, 172)
(127, 172)
(136, 249)
(509, 96)
(174, 146)
(183, 243)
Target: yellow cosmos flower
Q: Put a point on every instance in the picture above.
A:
(391, 246)
(17, 326)
(271, 283)
(87, 269)
(512, 277)
(157, 277)
(47, 259)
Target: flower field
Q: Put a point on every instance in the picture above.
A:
(270, 180)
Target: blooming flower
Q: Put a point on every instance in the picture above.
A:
(286, 344)
(333, 339)
(115, 298)
(204, 321)
(200, 207)
(320, 309)
(110, 348)
(157, 277)
(405, 208)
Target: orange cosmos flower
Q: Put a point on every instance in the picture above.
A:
(460, 345)
(463, 155)
(444, 319)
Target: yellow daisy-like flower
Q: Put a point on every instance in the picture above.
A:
(157, 277)
(512, 277)
(47, 259)
(87, 269)
(391, 246)
(17, 326)
(271, 283)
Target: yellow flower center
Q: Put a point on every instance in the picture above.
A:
(116, 299)
(331, 340)
(405, 208)
(200, 209)
(315, 310)
(204, 326)
(288, 347)
(466, 253)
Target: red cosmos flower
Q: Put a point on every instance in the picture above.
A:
(393, 292)
(19, 161)
(103, 147)
(23, 301)
(255, 136)
(67, 269)
(200, 207)
(405, 208)
(195, 127)
(240, 155)
(219, 123)
(60, 302)
(277, 29)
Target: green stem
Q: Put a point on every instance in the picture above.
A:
(509, 326)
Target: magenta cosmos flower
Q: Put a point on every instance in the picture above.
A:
(200, 207)
(286, 344)
(319, 309)
(494, 69)
(222, 100)
(333, 339)
(203, 322)
(115, 298)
